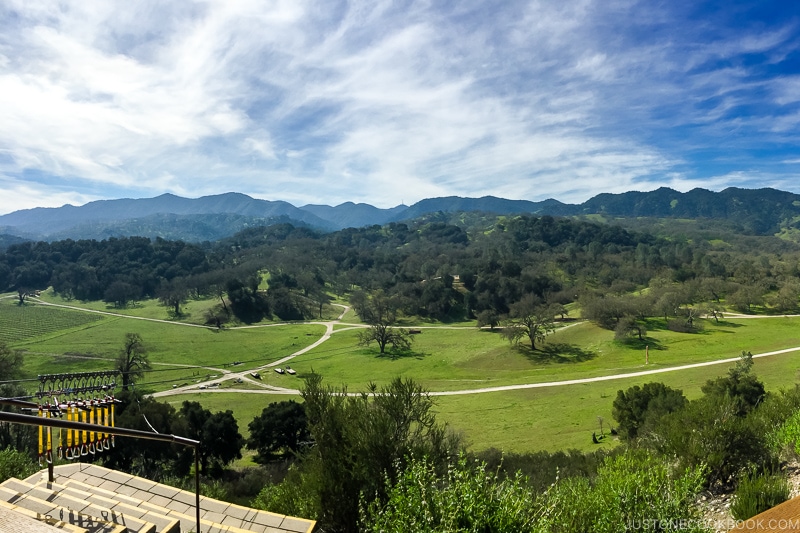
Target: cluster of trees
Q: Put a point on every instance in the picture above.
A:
(119, 270)
(440, 267)
(218, 432)
(736, 430)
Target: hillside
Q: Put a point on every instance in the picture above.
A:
(746, 211)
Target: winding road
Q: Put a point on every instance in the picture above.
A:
(262, 388)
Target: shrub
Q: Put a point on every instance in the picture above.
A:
(467, 498)
(640, 408)
(708, 431)
(296, 495)
(632, 491)
(14, 463)
(758, 492)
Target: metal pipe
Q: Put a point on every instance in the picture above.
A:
(67, 424)
(197, 484)
(17, 418)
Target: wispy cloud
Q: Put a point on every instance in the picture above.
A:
(383, 101)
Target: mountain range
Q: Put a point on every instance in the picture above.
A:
(209, 218)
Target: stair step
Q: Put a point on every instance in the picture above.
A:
(69, 508)
(177, 504)
(19, 519)
(159, 516)
(52, 511)
(235, 519)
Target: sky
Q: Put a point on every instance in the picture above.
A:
(390, 102)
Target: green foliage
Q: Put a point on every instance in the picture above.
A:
(756, 493)
(529, 319)
(542, 469)
(710, 431)
(467, 498)
(282, 427)
(296, 495)
(218, 432)
(639, 408)
(742, 387)
(788, 434)
(361, 440)
(631, 490)
(147, 458)
(16, 464)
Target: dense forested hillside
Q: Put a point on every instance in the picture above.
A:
(440, 267)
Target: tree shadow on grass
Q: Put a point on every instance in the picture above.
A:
(394, 355)
(726, 324)
(559, 353)
(641, 344)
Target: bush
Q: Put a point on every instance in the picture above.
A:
(639, 408)
(296, 495)
(16, 464)
(542, 469)
(758, 492)
(709, 432)
(631, 491)
(467, 498)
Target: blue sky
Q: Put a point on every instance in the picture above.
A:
(386, 102)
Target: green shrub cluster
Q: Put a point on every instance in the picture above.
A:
(758, 492)
(14, 463)
(632, 490)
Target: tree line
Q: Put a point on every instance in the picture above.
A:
(441, 267)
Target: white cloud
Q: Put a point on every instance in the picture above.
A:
(380, 101)
(27, 195)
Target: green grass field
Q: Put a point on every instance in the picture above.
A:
(442, 359)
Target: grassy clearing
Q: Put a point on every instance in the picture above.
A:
(167, 343)
(557, 418)
(551, 418)
(465, 358)
(447, 358)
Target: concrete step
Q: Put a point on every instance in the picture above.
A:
(74, 509)
(230, 522)
(56, 513)
(21, 520)
(159, 516)
(214, 514)
(172, 502)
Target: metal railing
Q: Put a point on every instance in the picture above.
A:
(16, 418)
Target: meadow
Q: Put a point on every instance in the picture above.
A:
(441, 358)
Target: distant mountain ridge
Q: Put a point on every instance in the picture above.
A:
(756, 211)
